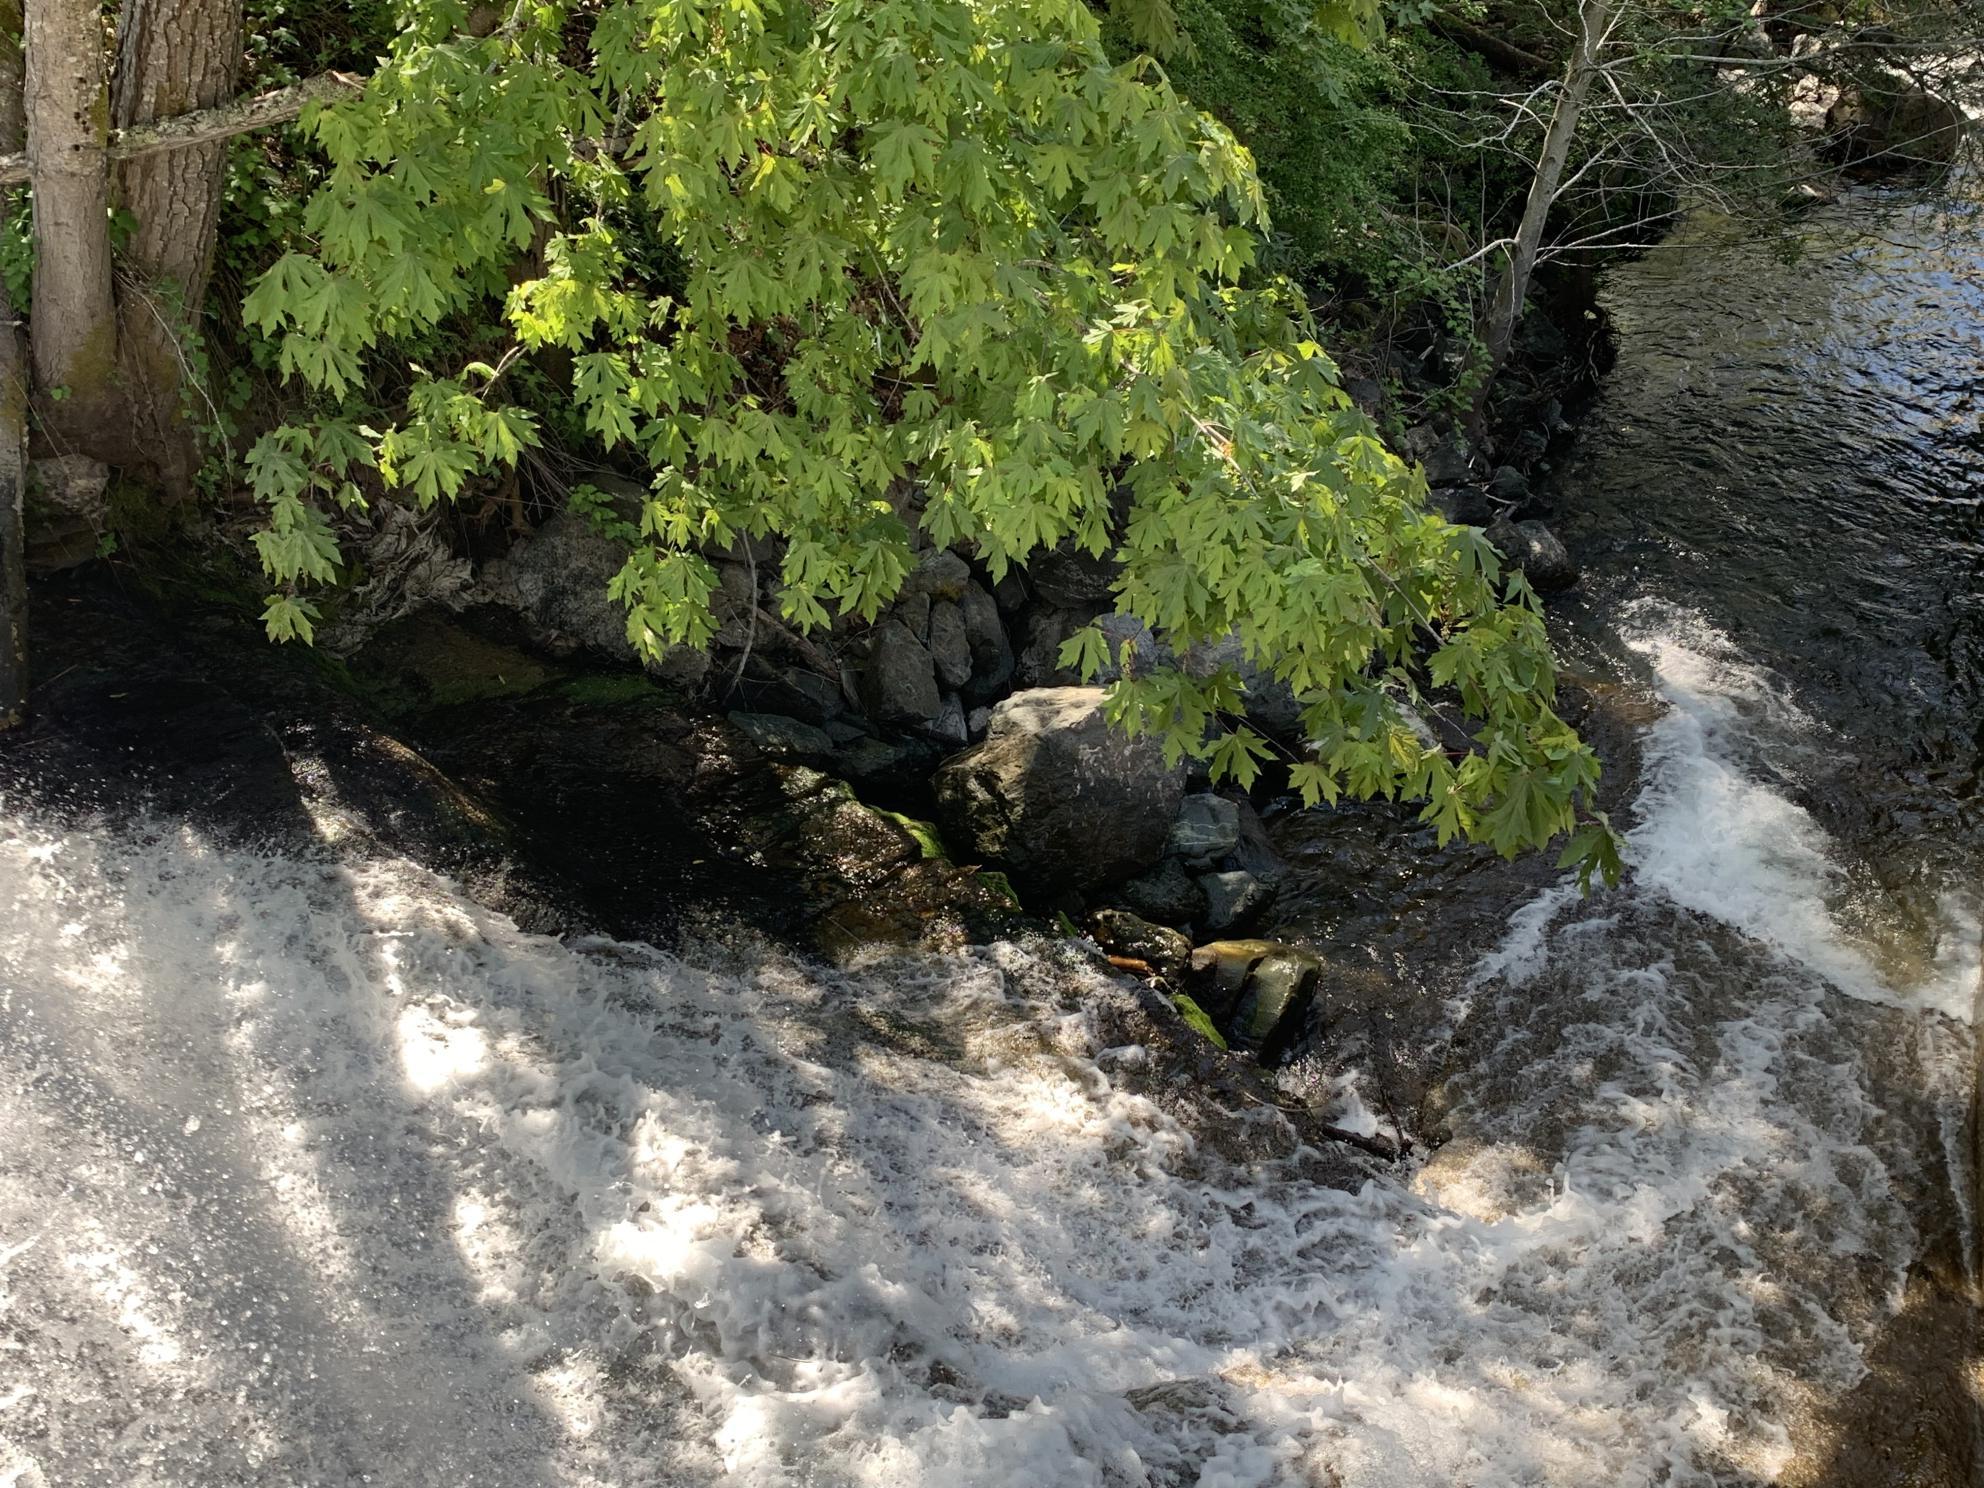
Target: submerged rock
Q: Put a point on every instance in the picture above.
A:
(1057, 795)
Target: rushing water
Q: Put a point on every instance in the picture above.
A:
(314, 1172)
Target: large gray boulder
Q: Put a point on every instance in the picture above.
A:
(556, 580)
(1057, 796)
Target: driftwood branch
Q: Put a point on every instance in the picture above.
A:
(203, 126)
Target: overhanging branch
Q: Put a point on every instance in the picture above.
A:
(203, 126)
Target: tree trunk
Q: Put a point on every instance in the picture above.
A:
(173, 57)
(74, 315)
(1505, 303)
(13, 416)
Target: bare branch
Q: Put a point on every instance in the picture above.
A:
(237, 116)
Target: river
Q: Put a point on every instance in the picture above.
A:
(314, 1171)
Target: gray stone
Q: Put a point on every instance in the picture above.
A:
(977, 721)
(950, 644)
(899, 684)
(914, 611)
(1538, 552)
(1039, 660)
(873, 759)
(1509, 486)
(1168, 894)
(1233, 898)
(1133, 649)
(1270, 703)
(940, 575)
(1208, 827)
(1254, 852)
(1445, 457)
(556, 580)
(1058, 796)
(793, 691)
(991, 648)
(1367, 395)
(848, 730)
(776, 734)
(1890, 127)
(1071, 578)
(948, 727)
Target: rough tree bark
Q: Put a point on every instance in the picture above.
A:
(13, 415)
(74, 345)
(173, 57)
(1505, 302)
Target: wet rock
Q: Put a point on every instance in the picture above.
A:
(899, 684)
(940, 575)
(1234, 898)
(1379, 1030)
(1537, 551)
(780, 736)
(1274, 1000)
(1168, 894)
(1208, 827)
(950, 644)
(1071, 578)
(1220, 969)
(1058, 796)
(556, 580)
(977, 721)
(1164, 950)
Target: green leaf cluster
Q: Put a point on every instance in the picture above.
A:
(829, 269)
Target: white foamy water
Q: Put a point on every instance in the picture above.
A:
(320, 1174)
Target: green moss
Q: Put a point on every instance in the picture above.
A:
(1195, 1015)
(607, 690)
(1068, 926)
(1001, 885)
(928, 840)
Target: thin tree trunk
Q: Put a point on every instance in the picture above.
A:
(74, 344)
(1505, 303)
(13, 415)
(173, 57)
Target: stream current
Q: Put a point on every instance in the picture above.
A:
(312, 1171)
